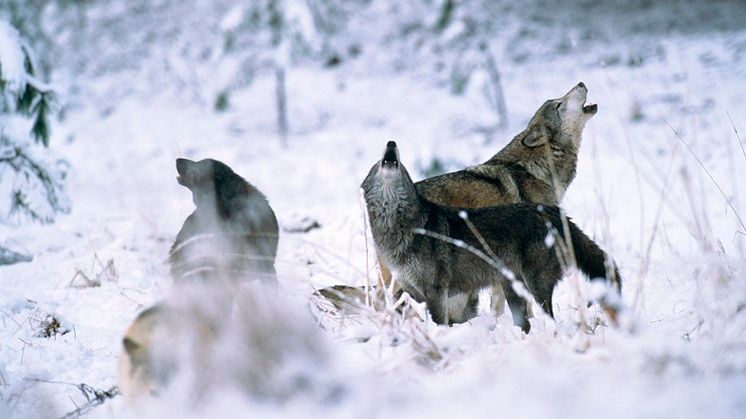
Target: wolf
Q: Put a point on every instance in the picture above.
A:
(232, 232)
(140, 371)
(207, 338)
(409, 231)
(537, 166)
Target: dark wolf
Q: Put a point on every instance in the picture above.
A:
(443, 275)
(232, 232)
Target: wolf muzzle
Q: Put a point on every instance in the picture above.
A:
(588, 109)
(182, 168)
(390, 156)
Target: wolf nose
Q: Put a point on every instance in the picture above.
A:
(391, 144)
(581, 85)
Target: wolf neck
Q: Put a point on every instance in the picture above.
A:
(542, 161)
(394, 210)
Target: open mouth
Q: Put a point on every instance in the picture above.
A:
(390, 156)
(590, 109)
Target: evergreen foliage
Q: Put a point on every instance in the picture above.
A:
(29, 188)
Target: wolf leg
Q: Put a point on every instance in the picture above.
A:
(497, 297)
(385, 278)
(462, 307)
(436, 305)
(471, 306)
(541, 280)
(518, 308)
(384, 282)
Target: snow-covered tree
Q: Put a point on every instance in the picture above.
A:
(30, 187)
(272, 35)
(457, 39)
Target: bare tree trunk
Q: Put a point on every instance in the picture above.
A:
(282, 112)
(497, 94)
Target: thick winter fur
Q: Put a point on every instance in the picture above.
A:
(520, 172)
(439, 273)
(537, 166)
(233, 231)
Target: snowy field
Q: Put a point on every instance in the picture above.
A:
(658, 167)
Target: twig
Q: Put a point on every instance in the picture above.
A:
(645, 262)
(94, 396)
(566, 251)
(364, 211)
(508, 274)
(717, 185)
(738, 137)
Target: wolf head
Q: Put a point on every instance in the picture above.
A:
(210, 181)
(388, 177)
(560, 122)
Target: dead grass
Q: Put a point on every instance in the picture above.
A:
(98, 272)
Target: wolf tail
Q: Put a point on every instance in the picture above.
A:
(593, 261)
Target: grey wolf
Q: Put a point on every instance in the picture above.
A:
(537, 166)
(444, 276)
(232, 232)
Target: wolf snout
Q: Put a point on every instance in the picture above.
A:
(579, 91)
(182, 168)
(182, 165)
(391, 155)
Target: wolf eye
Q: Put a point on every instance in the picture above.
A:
(558, 105)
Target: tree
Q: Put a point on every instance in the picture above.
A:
(458, 39)
(273, 35)
(29, 188)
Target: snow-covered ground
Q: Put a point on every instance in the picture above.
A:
(640, 191)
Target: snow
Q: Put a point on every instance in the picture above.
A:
(12, 69)
(638, 192)
(233, 18)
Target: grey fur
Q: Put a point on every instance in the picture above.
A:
(435, 271)
(523, 170)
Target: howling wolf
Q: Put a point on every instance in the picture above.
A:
(233, 231)
(537, 166)
(409, 232)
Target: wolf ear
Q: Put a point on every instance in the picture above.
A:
(538, 135)
(131, 347)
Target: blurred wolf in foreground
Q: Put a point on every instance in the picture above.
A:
(443, 274)
(204, 339)
(232, 232)
(537, 166)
